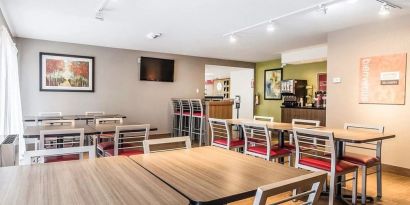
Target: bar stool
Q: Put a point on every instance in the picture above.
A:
(197, 119)
(176, 117)
(186, 114)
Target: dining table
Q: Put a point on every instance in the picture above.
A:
(212, 175)
(102, 181)
(32, 118)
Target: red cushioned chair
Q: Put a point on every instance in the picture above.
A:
(197, 119)
(128, 140)
(186, 117)
(258, 142)
(316, 158)
(366, 161)
(105, 140)
(295, 122)
(222, 135)
(176, 117)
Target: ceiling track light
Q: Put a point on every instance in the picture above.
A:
(100, 10)
(386, 7)
(323, 8)
(270, 27)
(233, 38)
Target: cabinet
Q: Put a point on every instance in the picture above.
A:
(304, 113)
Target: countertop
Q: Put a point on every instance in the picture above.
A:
(313, 108)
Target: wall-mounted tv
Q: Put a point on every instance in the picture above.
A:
(155, 69)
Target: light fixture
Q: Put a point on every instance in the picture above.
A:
(153, 35)
(233, 38)
(270, 27)
(100, 10)
(323, 8)
(384, 9)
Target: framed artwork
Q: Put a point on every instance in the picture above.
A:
(272, 80)
(382, 79)
(66, 73)
(321, 81)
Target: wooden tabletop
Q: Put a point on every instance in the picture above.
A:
(281, 126)
(214, 175)
(111, 180)
(110, 128)
(356, 136)
(34, 131)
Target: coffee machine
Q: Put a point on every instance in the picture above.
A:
(294, 92)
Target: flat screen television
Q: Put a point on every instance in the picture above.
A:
(155, 69)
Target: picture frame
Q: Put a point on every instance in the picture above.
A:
(66, 73)
(321, 82)
(272, 83)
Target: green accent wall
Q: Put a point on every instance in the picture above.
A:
(302, 72)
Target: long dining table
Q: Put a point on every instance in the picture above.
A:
(211, 175)
(110, 180)
(70, 117)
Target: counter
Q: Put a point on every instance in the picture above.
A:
(306, 113)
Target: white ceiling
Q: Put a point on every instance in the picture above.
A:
(218, 72)
(189, 27)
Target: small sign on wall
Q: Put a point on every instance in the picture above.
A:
(383, 79)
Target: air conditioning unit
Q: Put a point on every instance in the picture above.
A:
(9, 151)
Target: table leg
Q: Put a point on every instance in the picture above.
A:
(241, 136)
(281, 144)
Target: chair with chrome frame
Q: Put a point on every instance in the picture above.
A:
(105, 140)
(366, 161)
(258, 143)
(166, 141)
(222, 135)
(186, 117)
(314, 181)
(322, 157)
(197, 120)
(128, 140)
(263, 118)
(295, 122)
(176, 117)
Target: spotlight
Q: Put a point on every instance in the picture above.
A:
(99, 15)
(233, 38)
(323, 9)
(270, 27)
(384, 9)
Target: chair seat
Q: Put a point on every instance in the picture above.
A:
(197, 114)
(127, 153)
(360, 159)
(61, 158)
(186, 113)
(273, 152)
(234, 143)
(341, 166)
(105, 145)
(106, 135)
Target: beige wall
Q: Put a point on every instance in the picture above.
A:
(346, 47)
(117, 85)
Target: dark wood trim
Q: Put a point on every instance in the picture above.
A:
(66, 55)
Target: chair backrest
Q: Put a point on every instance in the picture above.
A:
(306, 147)
(186, 106)
(263, 118)
(220, 130)
(58, 122)
(95, 113)
(370, 145)
(305, 122)
(176, 106)
(130, 137)
(313, 180)
(50, 114)
(196, 106)
(163, 141)
(29, 155)
(70, 138)
(100, 121)
(257, 134)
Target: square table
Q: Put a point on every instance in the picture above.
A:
(111, 180)
(211, 175)
(34, 131)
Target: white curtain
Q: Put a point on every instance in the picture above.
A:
(10, 103)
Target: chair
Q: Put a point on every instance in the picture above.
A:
(127, 139)
(322, 157)
(93, 114)
(258, 143)
(163, 141)
(58, 122)
(71, 146)
(313, 180)
(263, 118)
(365, 161)
(295, 122)
(104, 140)
(197, 119)
(222, 135)
(186, 117)
(176, 117)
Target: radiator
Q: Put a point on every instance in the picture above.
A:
(9, 151)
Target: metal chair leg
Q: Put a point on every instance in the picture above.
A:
(354, 187)
(364, 184)
(332, 189)
(379, 181)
